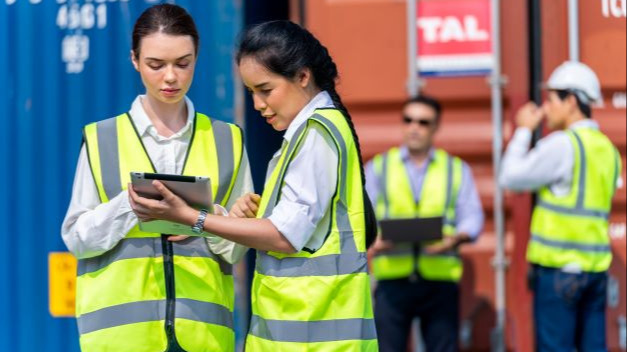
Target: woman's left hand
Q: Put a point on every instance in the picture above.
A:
(171, 207)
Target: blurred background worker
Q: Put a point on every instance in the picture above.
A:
(411, 181)
(575, 170)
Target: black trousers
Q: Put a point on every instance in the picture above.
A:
(436, 303)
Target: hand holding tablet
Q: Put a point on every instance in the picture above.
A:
(195, 191)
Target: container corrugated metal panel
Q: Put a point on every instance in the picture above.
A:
(53, 86)
(367, 39)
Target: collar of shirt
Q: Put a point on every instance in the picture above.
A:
(321, 100)
(416, 173)
(145, 126)
(404, 151)
(585, 123)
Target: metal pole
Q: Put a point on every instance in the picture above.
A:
(500, 264)
(535, 56)
(412, 49)
(573, 30)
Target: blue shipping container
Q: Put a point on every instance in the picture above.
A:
(66, 63)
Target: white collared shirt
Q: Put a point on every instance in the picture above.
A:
(301, 214)
(550, 163)
(91, 228)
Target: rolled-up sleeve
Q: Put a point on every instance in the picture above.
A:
(308, 187)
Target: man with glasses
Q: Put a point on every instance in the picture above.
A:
(421, 280)
(575, 170)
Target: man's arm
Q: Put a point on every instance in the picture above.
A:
(550, 161)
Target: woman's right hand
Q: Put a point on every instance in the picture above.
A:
(246, 206)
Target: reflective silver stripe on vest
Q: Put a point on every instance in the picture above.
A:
(224, 146)
(384, 185)
(616, 170)
(198, 247)
(574, 211)
(107, 133)
(449, 192)
(593, 248)
(327, 265)
(582, 172)
(449, 183)
(313, 331)
(579, 209)
(128, 313)
(128, 248)
(274, 196)
(151, 247)
(146, 311)
(205, 312)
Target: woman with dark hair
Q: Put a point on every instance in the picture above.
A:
(147, 292)
(311, 289)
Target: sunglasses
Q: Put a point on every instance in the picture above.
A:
(424, 122)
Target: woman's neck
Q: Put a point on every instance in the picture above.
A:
(167, 118)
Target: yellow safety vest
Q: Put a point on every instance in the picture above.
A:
(573, 229)
(396, 201)
(148, 294)
(317, 301)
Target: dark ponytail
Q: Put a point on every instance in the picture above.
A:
(286, 48)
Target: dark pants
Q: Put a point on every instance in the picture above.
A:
(569, 310)
(436, 303)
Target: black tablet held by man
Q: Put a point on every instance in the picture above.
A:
(414, 230)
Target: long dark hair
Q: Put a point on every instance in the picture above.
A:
(286, 48)
(164, 18)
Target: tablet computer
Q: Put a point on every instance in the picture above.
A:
(414, 230)
(194, 190)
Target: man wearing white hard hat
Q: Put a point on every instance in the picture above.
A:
(575, 171)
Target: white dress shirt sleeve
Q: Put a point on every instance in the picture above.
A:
(91, 228)
(549, 162)
(372, 183)
(309, 186)
(230, 251)
(469, 212)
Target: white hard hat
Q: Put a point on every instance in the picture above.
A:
(578, 78)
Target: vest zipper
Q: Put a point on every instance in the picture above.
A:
(168, 266)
